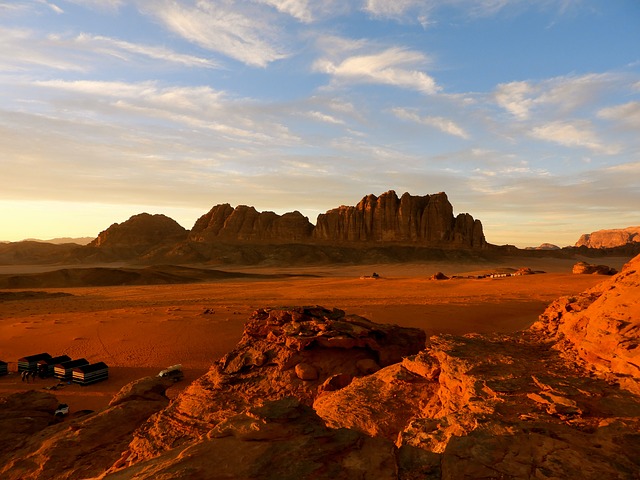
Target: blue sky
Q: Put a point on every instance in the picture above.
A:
(527, 114)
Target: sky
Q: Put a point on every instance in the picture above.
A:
(527, 114)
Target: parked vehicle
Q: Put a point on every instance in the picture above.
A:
(173, 372)
(62, 410)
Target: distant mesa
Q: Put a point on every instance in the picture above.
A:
(417, 220)
(610, 238)
(544, 246)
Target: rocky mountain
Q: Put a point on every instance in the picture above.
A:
(140, 231)
(246, 224)
(610, 238)
(426, 220)
(310, 392)
(418, 220)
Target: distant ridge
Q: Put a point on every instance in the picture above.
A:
(62, 240)
(378, 229)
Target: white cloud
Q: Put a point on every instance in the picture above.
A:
(513, 97)
(627, 114)
(393, 66)
(323, 117)
(217, 26)
(577, 134)
(443, 124)
(391, 9)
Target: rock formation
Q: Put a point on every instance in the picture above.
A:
(143, 230)
(610, 238)
(297, 353)
(584, 268)
(425, 220)
(246, 224)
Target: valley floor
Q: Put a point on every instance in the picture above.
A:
(139, 330)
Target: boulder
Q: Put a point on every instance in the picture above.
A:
(584, 268)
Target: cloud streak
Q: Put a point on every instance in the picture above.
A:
(217, 27)
(394, 66)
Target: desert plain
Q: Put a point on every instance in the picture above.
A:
(139, 330)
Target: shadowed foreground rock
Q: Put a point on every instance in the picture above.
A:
(36, 445)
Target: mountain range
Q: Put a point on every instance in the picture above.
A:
(378, 229)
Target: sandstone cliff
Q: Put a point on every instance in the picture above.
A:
(426, 220)
(415, 220)
(610, 238)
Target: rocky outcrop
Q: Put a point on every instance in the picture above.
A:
(246, 224)
(143, 230)
(425, 220)
(600, 328)
(584, 268)
(296, 353)
(610, 238)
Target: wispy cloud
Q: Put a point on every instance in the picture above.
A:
(124, 50)
(576, 134)
(218, 26)
(443, 124)
(323, 117)
(298, 9)
(394, 66)
(627, 114)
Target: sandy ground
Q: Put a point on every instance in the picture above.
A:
(140, 330)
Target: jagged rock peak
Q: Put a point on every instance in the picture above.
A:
(244, 223)
(610, 238)
(426, 220)
(141, 229)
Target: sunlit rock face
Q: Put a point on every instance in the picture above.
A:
(600, 328)
(425, 220)
(609, 238)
